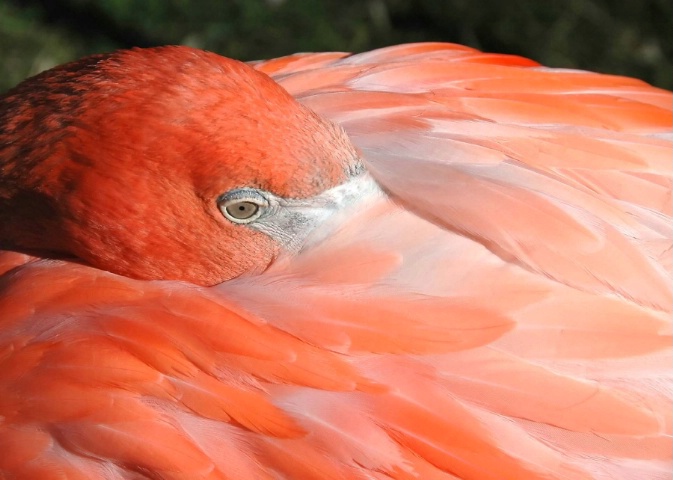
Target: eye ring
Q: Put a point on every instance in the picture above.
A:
(242, 206)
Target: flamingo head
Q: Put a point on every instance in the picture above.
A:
(167, 163)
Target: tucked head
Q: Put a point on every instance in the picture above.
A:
(165, 163)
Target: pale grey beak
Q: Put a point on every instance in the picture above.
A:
(291, 221)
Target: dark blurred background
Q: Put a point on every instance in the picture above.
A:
(628, 37)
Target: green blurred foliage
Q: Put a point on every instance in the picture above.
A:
(613, 36)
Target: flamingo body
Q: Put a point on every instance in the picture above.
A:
(502, 312)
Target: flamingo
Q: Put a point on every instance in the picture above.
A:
(419, 262)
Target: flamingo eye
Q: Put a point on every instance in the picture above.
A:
(242, 206)
(241, 210)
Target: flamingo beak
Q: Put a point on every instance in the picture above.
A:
(292, 221)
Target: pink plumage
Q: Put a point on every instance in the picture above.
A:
(501, 311)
